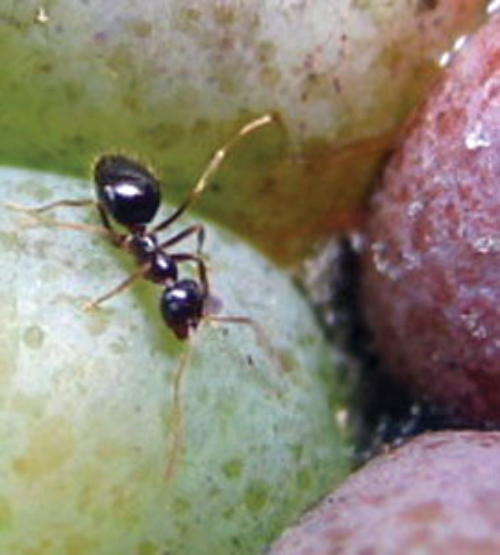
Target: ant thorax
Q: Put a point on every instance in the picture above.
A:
(141, 245)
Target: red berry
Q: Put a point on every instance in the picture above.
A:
(431, 281)
(439, 494)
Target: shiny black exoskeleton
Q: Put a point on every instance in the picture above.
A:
(182, 306)
(126, 190)
(129, 195)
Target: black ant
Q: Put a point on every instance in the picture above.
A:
(128, 194)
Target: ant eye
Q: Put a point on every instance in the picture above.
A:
(182, 307)
(127, 190)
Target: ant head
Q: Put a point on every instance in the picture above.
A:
(126, 190)
(182, 307)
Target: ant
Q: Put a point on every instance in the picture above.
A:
(128, 194)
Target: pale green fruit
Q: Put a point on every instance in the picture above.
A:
(86, 398)
(171, 80)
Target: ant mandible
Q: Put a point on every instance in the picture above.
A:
(128, 194)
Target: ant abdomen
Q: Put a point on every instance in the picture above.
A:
(126, 190)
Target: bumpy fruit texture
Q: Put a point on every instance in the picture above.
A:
(86, 399)
(170, 80)
(439, 494)
(432, 263)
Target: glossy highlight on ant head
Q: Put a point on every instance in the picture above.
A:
(182, 307)
(127, 190)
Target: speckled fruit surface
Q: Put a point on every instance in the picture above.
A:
(171, 80)
(437, 495)
(87, 415)
(431, 279)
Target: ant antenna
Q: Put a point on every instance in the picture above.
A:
(213, 166)
(176, 435)
(177, 421)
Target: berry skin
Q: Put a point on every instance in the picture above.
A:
(438, 494)
(431, 267)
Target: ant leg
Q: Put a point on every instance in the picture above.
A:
(36, 212)
(260, 336)
(72, 203)
(96, 230)
(197, 229)
(212, 167)
(177, 428)
(202, 269)
(106, 231)
(125, 284)
(105, 220)
(75, 203)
